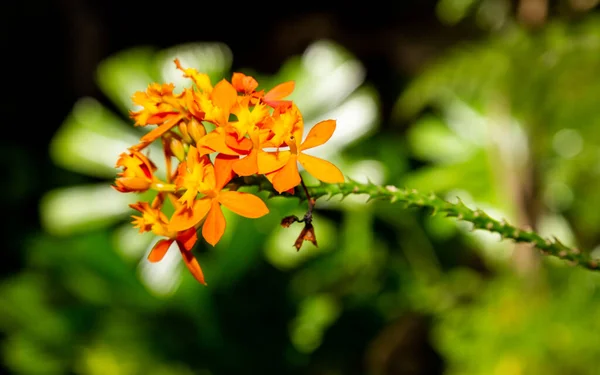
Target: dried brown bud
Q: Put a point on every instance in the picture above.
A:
(289, 220)
(307, 234)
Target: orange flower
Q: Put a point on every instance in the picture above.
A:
(137, 174)
(154, 220)
(247, 85)
(247, 118)
(288, 176)
(154, 104)
(209, 206)
(247, 123)
(244, 84)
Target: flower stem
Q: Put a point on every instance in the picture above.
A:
(413, 198)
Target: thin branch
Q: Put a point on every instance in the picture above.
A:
(413, 198)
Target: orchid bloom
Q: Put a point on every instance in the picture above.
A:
(137, 174)
(154, 220)
(253, 133)
(288, 177)
(210, 181)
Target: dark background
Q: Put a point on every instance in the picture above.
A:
(52, 48)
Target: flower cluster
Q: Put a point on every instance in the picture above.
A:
(209, 135)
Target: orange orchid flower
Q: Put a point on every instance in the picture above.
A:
(210, 183)
(154, 220)
(244, 84)
(137, 174)
(288, 176)
(154, 104)
(254, 133)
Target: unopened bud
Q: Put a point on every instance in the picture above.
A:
(185, 135)
(177, 149)
(196, 130)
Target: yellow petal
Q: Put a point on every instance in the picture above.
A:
(321, 169)
(287, 177)
(214, 226)
(319, 134)
(185, 218)
(243, 204)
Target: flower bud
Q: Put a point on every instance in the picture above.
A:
(177, 149)
(196, 130)
(185, 135)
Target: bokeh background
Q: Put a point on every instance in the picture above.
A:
(493, 102)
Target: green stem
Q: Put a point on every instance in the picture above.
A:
(413, 198)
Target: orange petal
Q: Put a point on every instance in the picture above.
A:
(214, 226)
(321, 169)
(224, 95)
(162, 129)
(224, 169)
(160, 118)
(241, 145)
(243, 204)
(287, 177)
(187, 239)
(203, 150)
(159, 250)
(270, 176)
(318, 134)
(216, 141)
(247, 166)
(185, 218)
(129, 184)
(192, 264)
(271, 161)
(279, 92)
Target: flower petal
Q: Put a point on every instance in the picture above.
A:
(187, 239)
(279, 92)
(215, 141)
(185, 218)
(214, 226)
(224, 95)
(224, 169)
(242, 145)
(160, 130)
(159, 250)
(243, 204)
(247, 166)
(287, 177)
(318, 134)
(192, 264)
(271, 161)
(321, 169)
